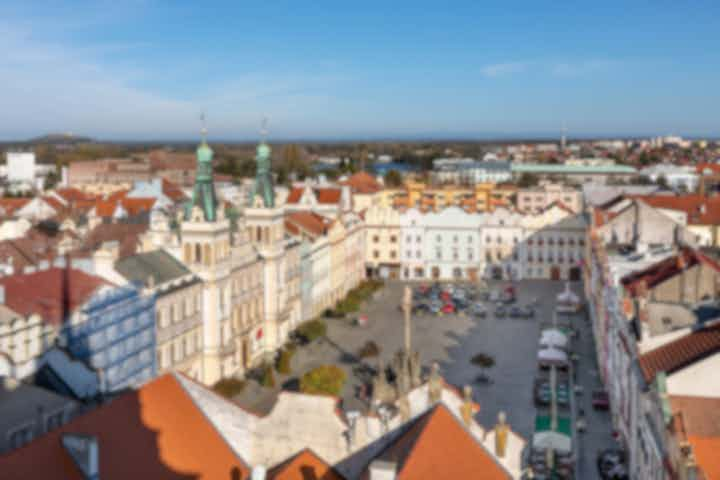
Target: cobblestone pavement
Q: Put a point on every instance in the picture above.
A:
(451, 341)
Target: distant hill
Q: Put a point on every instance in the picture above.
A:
(59, 139)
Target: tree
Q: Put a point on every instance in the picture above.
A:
(483, 361)
(393, 178)
(370, 349)
(527, 180)
(323, 380)
(268, 377)
(229, 387)
(284, 361)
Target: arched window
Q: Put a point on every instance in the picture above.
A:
(198, 253)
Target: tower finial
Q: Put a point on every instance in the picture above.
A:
(264, 129)
(203, 128)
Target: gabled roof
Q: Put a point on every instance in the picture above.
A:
(154, 432)
(324, 195)
(308, 222)
(697, 419)
(172, 191)
(665, 269)
(8, 206)
(700, 210)
(51, 293)
(682, 352)
(161, 265)
(71, 195)
(437, 445)
(127, 234)
(304, 465)
(363, 183)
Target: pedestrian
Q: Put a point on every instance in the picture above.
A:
(581, 424)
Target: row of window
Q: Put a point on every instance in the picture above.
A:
(178, 350)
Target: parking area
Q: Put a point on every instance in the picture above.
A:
(452, 339)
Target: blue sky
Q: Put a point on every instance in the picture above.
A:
(141, 69)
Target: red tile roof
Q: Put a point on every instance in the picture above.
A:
(437, 445)
(682, 352)
(172, 191)
(665, 269)
(8, 206)
(53, 293)
(135, 206)
(714, 168)
(305, 465)
(156, 432)
(363, 182)
(699, 423)
(308, 222)
(127, 234)
(327, 195)
(700, 210)
(73, 194)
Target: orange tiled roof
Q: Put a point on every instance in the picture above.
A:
(11, 205)
(324, 195)
(135, 206)
(172, 191)
(437, 445)
(154, 432)
(363, 182)
(309, 222)
(51, 293)
(713, 167)
(700, 210)
(73, 194)
(699, 419)
(305, 465)
(681, 352)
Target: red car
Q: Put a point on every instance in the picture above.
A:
(600, 400)
(448, 308)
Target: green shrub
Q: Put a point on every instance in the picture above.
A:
(355, 297)
(284, 361)
(370, 349)
(323, 380)
(312, 330)
(483, 360)
(229, 387)
(268, 377)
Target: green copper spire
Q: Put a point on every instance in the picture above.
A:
(263, 178)
(204, 190)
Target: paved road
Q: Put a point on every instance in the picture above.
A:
(452, 341)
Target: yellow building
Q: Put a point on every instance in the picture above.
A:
(483, 197)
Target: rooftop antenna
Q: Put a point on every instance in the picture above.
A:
(264, 129)
(203, 128)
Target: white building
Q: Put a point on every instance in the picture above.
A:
(677, 176)
(20, 167)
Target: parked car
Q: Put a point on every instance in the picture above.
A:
(527, 312)
(478, 310)
(600, 400)
(421, 309)
(611, 464)
(515, 311)
(448, 308)
(500, 312)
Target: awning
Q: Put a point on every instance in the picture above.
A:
(552, 356)
(554, 440)
(553, 337)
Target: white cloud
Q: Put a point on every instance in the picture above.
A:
(500, 69)
(53, 88)
(574, 69)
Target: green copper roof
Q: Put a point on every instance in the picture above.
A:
(263, 178)
(204, 190)
(566, 169)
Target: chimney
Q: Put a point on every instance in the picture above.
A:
(501, 435)
(382, 470)
(259, 472)
(85, 452)
(466, 410)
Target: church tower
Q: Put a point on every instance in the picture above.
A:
(205, 243)
(265, 223)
